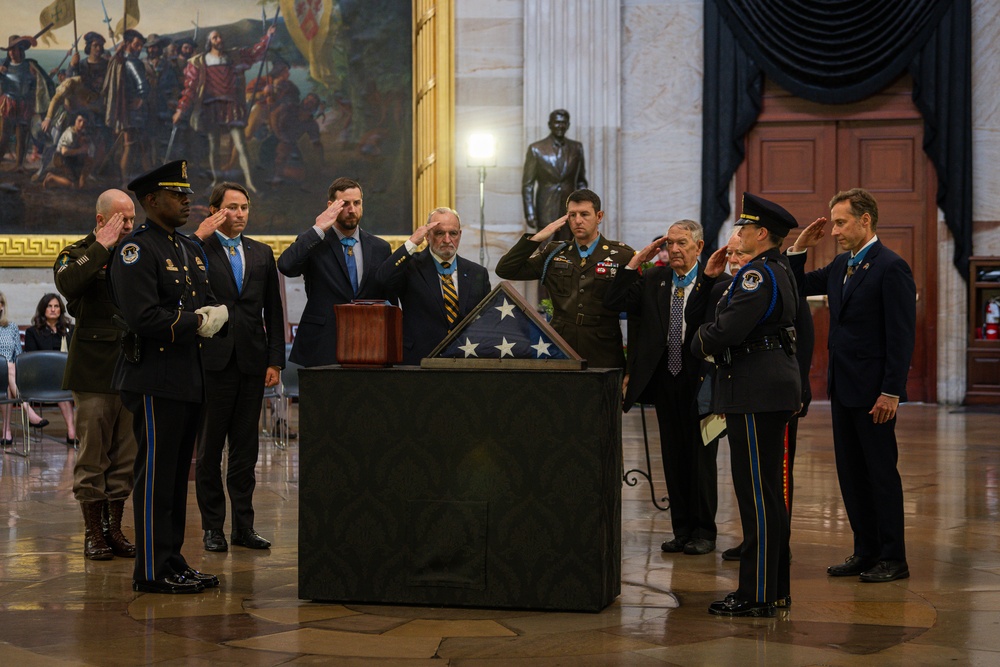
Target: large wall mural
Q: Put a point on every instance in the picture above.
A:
(279, 96)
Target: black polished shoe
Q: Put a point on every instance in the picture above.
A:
(41, 423)
(886, 570)
(783, 603)
(699, 547)
(734, 553)
(206, 580)
(215, 541)
(175, 584)
(674, 546)
(733, 606)
(248, 537)
(851, 567)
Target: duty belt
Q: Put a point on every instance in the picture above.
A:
(582, 320)
(761, 345)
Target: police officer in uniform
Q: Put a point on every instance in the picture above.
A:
(159, 281)
(758, 389)
(577, 274)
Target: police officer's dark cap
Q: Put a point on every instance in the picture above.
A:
(171, 176)
(766, 214)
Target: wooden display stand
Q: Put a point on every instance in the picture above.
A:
(369, 333)
(983, 353)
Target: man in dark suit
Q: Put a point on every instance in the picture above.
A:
(238, 366)
(435, 286)
(556, 166)
(872, 300)
(337, 267)
(670, 302)
(159, 281)
(757, 388)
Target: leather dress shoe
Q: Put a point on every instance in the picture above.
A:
(699, 547)
(41, 423)
(733, 606)
(206, 580)
(215, 541)
(783, 603)
(249, 538)
(886, 570)
(852, 567)
(733, 553)
(173, 585)
(674, 546)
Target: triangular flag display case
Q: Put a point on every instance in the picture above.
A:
(504, 331)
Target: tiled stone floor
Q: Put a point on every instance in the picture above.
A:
(58, 609)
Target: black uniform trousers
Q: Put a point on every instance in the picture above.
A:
(866, 455)
(756, 441)
(165, 430)
(235, 400)
(689, 466)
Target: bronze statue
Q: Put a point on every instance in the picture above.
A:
(556, 164)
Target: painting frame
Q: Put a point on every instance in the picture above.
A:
(432, 168)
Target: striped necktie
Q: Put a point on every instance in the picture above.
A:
(449, 294)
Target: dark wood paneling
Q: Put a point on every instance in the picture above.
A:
(800, 154)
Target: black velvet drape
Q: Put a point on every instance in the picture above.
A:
(836, 52)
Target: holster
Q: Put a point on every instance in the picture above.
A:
(130, 342)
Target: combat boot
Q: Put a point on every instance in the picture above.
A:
(112, 524)
(94, 546)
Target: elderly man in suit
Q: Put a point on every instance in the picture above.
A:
(670, 302)
(238, 366)
(435, 286)
(872, 300)
(553, 168)
(338, 267)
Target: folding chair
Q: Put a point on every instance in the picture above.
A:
(3, 396)
(39, 380)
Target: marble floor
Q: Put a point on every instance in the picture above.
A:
(56, 608)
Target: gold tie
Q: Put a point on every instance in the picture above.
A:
(450, 296)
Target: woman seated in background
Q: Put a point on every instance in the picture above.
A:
(10, 348)
(51, 330)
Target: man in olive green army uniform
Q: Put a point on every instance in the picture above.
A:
(102, 476)
(577, 273)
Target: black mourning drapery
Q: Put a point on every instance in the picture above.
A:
(839, 51)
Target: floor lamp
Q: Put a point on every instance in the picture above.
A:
(482, 154)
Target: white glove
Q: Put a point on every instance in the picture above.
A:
(213, 317)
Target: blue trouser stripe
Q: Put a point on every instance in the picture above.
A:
(758, 499)
(148, 496)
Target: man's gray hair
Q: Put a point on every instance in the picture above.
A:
(697, 232)
(444, 209)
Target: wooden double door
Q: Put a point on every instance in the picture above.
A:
(800, 159)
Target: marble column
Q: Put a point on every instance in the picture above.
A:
(572, 61)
